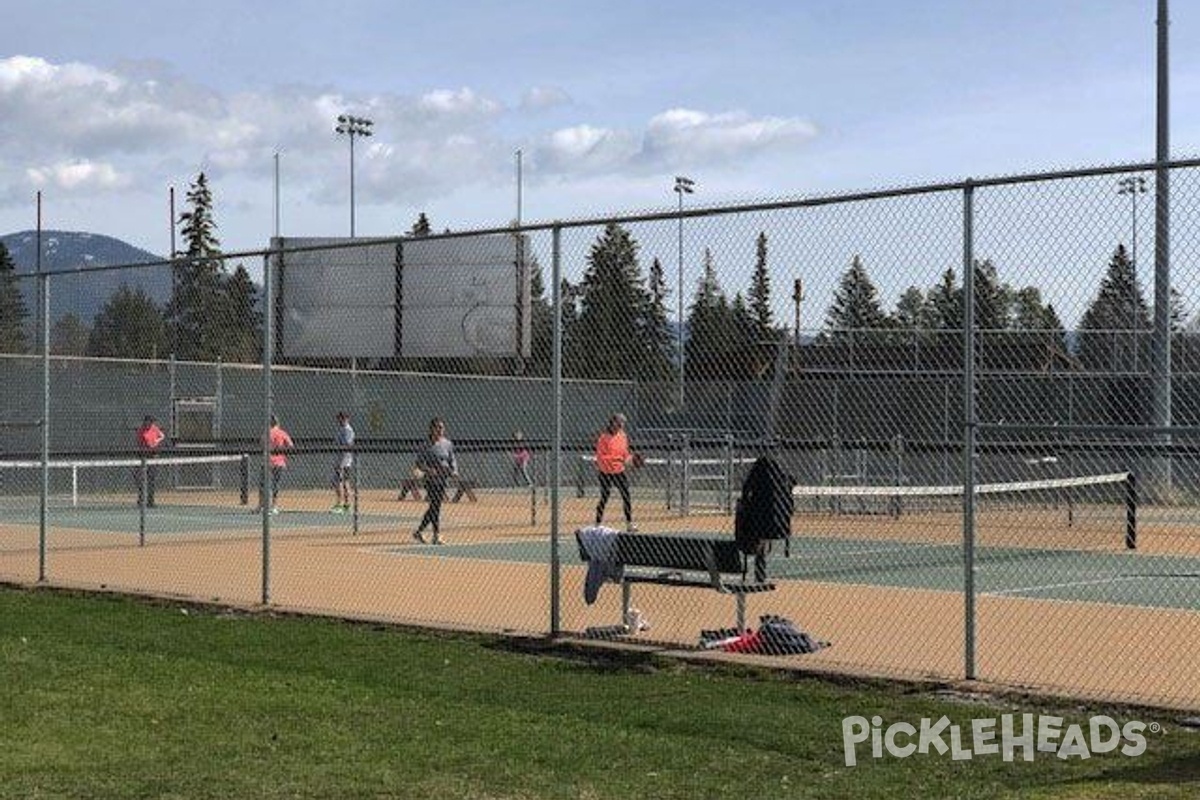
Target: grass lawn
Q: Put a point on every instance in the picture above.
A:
(112, 697)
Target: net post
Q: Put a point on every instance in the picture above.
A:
(143, 489)
(1131, 512)
(686, 478)
(353, 468)
(244, 479)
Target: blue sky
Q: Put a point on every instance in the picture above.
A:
(106, 104)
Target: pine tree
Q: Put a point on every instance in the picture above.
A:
(613, 332)
(992, 299)
(659, 333)
(911, 311)
(1108, 329)
(760, 292)
(721, 343)
(855, 304)
(245, 334)
(573, 349)
(944, 303)
(69, 336)
(541, 323)
(128, 326)
(212, 315)
(13, 312)
(1178, 311)
(707, 315)
(195, 314)
(421, 226)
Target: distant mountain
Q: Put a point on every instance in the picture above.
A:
(85, 294)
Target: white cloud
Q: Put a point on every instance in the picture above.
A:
(26, 73)
(686, 136)
(540, 98)
(677, 137)
(139, 123)
(78, 176)
(461, 102)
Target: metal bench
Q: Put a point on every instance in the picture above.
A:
(684, 561)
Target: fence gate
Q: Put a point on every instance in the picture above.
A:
(195, 427)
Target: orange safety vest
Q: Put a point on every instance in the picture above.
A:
(279, 440)
(612, 451)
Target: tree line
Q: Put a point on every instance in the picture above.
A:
(616, 324)
(212, 313)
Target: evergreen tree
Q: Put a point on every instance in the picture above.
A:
(69, 336)
(12, 307)
(1178, 311)
(911, 312)
(421, 226)
(244, 337)
(944, 303)
(760, 292)
(659, 327)
(128, 326)
(212, 314)
(196, 313)
(614, 329)
(721, 342)
(541, 323)
(1029, 312)
(855, 304)
(707, 315)
(573, 363)
(992, 299)
(1108, 338)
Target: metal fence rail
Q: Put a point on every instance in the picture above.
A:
(835, 333)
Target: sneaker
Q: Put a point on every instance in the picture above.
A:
(274, 510)
(631, 528)
(418, 537)
(438, 540)
(338, 509)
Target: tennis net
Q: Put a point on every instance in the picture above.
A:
(898, 526)
(217, 479)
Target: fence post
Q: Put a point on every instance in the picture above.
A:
(264, 492)
(969, 429)
(556, 436)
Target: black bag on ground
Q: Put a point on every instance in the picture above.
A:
(780, 636)
(764, 511)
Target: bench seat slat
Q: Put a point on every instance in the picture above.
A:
(727, 587)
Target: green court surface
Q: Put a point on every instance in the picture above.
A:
(1121, 578)
(191, 519)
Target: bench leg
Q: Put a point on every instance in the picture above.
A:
(741, 612)
(626, 599)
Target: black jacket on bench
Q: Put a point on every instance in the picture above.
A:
(765, 508)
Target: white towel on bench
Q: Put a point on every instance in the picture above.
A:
(600, 545)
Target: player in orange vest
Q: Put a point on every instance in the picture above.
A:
(149, 439)
(612, 456)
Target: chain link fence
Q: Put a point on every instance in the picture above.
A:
(994, 480)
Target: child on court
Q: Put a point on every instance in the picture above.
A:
(344, 436)
(521, 458)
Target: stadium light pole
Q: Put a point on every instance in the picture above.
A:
(352, 127)
(683, 185)
(1133, 185)
(797, 298)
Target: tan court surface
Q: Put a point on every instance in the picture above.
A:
(485, 580)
